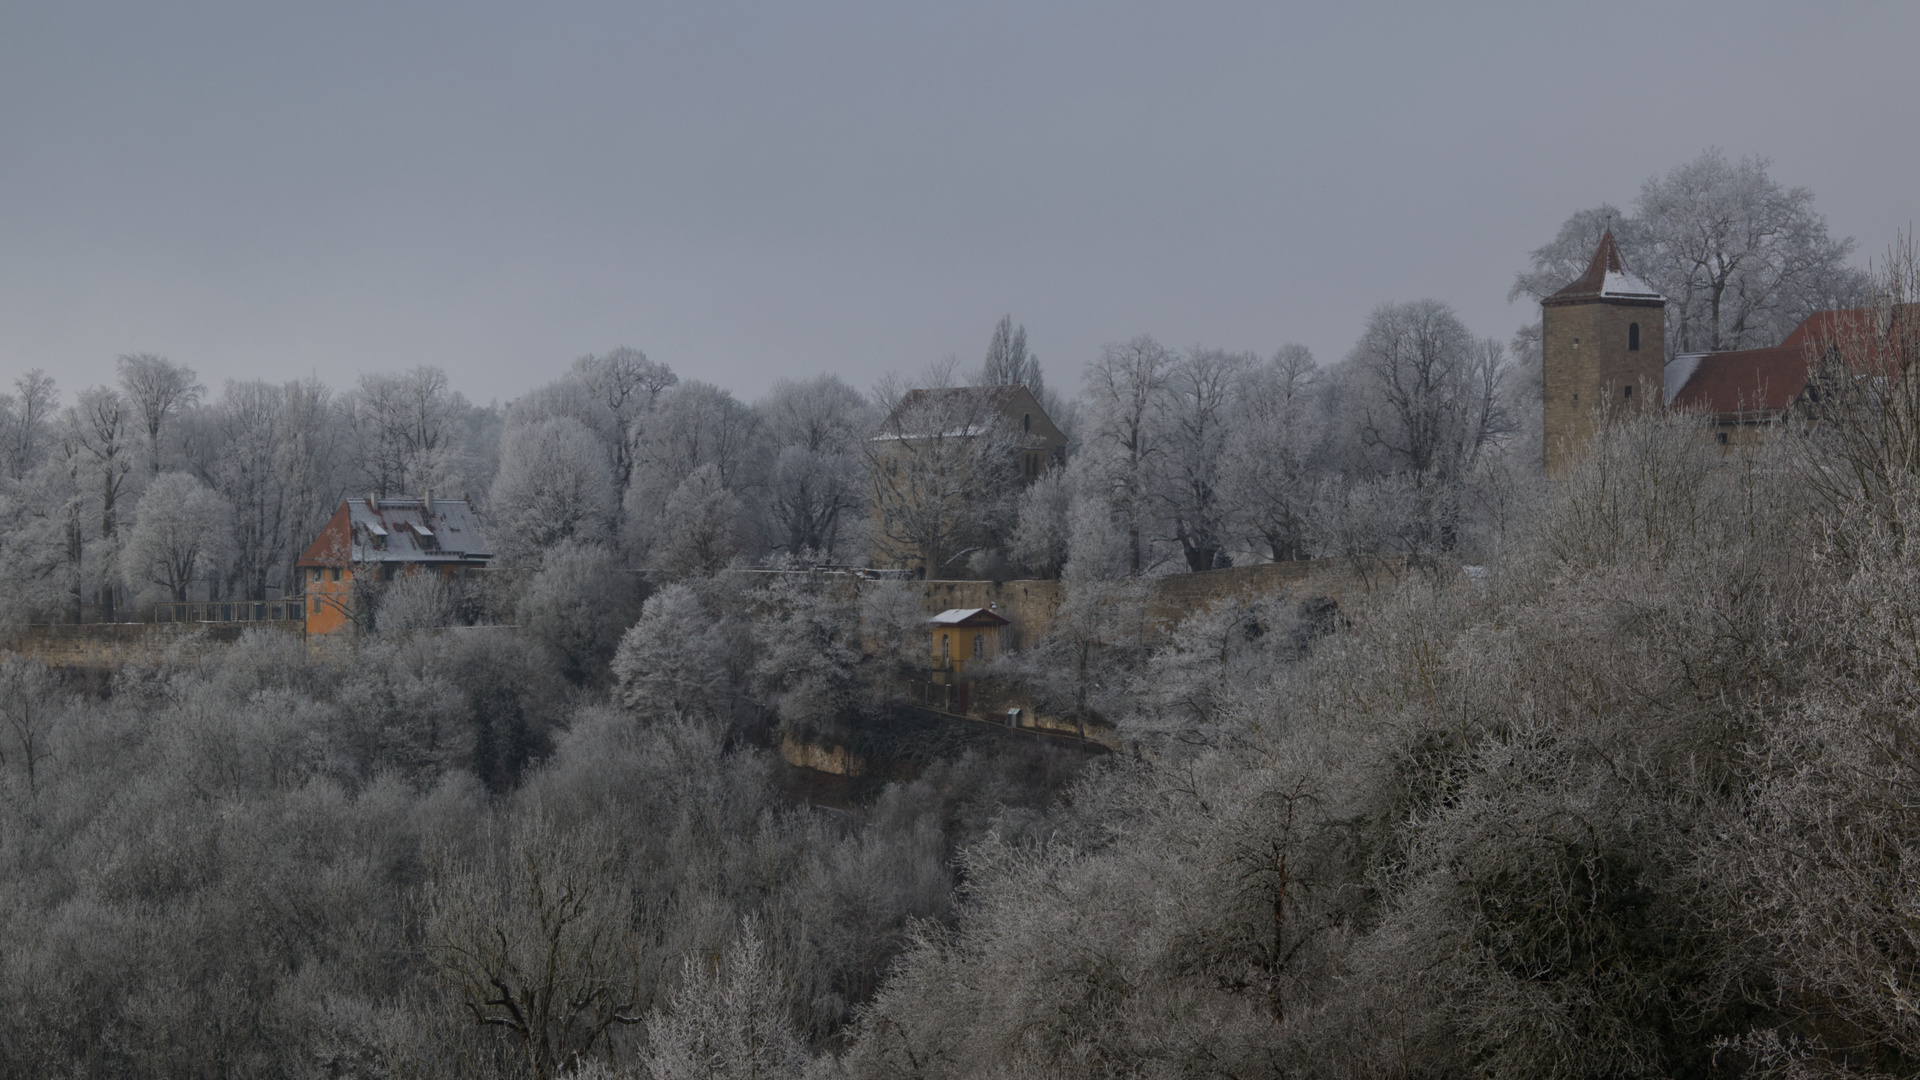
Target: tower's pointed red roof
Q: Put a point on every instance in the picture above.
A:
(1607, 278)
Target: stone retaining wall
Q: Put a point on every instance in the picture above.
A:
(114, 645)
(1030, 605)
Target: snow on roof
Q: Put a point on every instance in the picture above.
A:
(1607, 278)
(400, 530)
(961, 615)
(1619, 284)
(1679, 370)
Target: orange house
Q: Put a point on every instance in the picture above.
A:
(380, 539)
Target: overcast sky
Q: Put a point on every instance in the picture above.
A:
(748, 191)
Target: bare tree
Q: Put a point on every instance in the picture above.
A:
(818, 429)
(554, 485)
(1200, 394)
(629, 385)
(180, 532)
(1267, 475)
(405, 430)
(1429, 400)
(540, 948)
(158, 390)
(944, 470)
(25, 420)
(1127, 388)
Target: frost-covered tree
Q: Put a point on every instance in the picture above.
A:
(629, 385)
(415, 601)
(817, 487)
(554, 485)
(1197, 422)
(1040, 542)
(727, 1021)
(1427, 400)
(1127, 402)
(26, 421)
(1268, 467)
(807, 648)
(573, 400)
(1740, 259)
(158, 391)
(944, 475)
(408, 431)
(270, 451)
(695, 424)
(699, 528)
(672, 663)
(179, 535)
(578, 604)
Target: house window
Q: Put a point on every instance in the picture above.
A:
(1633, 337)
(1720, 437)
(316, 605)
(979, 646)
(335, 572)
(1626, 391)
(946, 652)
(314, 576)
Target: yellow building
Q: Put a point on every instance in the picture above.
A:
(962, 636)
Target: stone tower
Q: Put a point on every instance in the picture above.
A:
(1603, 340)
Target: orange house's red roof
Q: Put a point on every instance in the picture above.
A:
(399, 531)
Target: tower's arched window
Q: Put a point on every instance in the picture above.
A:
(1026, 422)
(1633, 337)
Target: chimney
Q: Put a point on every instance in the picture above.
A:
(372, 503)
(428, 501)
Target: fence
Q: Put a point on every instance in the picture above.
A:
(227, 611)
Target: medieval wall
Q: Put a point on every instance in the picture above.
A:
(1030, 605)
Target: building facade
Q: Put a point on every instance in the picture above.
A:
(940, 455)
(1603, 344)
(374, 540)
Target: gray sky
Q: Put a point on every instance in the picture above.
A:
(748, 191)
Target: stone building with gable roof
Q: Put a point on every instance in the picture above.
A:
(1603, 346)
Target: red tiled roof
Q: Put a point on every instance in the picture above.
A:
(1854, 330)
(406, 530)
(1748, 381)
(1607, 278)
(1728, 384)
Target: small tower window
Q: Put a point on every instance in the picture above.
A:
(1626, 391)
(1633, 337)
(1026, 422)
